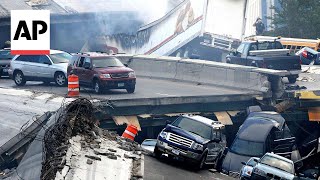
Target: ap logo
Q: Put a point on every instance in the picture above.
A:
(30, 32)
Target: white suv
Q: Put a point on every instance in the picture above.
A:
(46, 68)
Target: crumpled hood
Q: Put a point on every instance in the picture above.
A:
(274, 171)
(111, 70)
(181, 132)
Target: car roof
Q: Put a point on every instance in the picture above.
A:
(255, 129)
(205, 120)
(279, 157)
(272, 116)
(93, 54)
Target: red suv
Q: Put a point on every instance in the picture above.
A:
(102, 72)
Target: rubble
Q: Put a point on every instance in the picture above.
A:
(75, 146)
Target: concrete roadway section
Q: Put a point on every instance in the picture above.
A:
(165, 169)
(19, 108)
(145, 88)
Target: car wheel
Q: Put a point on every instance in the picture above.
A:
(60, 79)
(19, 78)
(292, 79)
(97, 87)
(201, 163)
(157, 152)
(131, 90)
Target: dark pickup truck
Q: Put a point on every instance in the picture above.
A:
(266, 54)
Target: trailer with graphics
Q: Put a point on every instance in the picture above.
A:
(205, 29)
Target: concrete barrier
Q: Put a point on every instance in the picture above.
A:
(205, 72)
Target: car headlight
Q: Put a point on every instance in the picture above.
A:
(258, 171)
(105, 76)
(163, 135)
(132, 75)
(197, 146)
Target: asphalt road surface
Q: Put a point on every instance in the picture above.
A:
(167, 169)
(145, 88)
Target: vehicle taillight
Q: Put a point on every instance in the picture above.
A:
(305, 54)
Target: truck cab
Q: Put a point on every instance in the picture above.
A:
(194, 139)
(266, 54)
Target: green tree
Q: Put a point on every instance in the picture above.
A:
(297, 19)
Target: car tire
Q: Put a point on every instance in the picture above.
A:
(292, 79)
(131, 90)
(19, 78)
(202, 161)
(60, 79)
(97, 87)
(157, 152)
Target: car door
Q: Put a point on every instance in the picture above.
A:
(44, 67)
(87, 73)
(31, 68)
(238, 56)
(215, 148)
(78, 70)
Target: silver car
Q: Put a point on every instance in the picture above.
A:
(246, 170)
(272, 166)
(46, 68)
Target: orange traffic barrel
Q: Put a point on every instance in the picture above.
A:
(130, 132)
(73, 86)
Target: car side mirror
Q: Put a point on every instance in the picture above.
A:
(168, 122)
(255, 160)
(126, 65)
(243, 163)
(86, 65)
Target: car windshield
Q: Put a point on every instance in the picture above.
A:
(5, 54)
(277, 163)
(247, 148)
(251, 162)
(194, 127)
(106, 62)
(60, 58)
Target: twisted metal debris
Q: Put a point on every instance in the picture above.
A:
(77, 118)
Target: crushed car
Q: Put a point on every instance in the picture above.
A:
(261, 132)
(195, 139)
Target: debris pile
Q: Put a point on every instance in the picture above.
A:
(76, 147)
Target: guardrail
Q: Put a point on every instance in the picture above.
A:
(234, 76)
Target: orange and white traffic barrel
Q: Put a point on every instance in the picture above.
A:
(130, 132)
(73, 86)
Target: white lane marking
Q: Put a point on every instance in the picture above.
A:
(166, 94)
